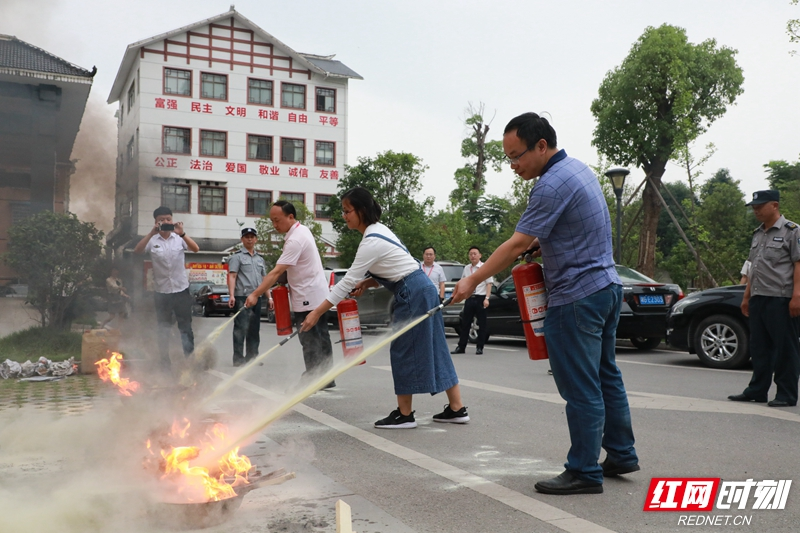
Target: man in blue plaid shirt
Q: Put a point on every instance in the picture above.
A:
(568, 218)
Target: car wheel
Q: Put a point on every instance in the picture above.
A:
(206, 310)
(646, 343)
(721, 341)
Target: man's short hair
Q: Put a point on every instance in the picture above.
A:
(161, 211)
(531, 128)
(286, 207)
(429, 248)
(474, 248)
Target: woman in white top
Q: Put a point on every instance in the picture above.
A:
(420, 358)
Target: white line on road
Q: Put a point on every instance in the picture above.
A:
(681, 367)
(530, 506)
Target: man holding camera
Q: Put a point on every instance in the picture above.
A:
(167, 244)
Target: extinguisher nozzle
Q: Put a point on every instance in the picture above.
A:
(287, 339)
(440, 307)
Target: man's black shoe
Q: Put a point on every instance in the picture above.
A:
(330, 385)
(458, 349)
(611, 469)
(780, 403)
(744, 398)
(567, 483)
(478, 351)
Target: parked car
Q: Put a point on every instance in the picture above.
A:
(212, 299)
(710, 324)
(642, 317)
(195, 286)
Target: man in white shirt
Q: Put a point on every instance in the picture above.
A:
(433, 270)
(301, 262)
(475, 305)
(167, 243)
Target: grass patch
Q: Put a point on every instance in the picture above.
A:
(35, 342)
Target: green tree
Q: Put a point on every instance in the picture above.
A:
(793, 29)
(55, 255)
(270, 242)
(394, 179)
(785, 177)
(666, 93)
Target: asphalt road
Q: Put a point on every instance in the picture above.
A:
(479, 477)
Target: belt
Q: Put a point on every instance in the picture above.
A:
(481, 296)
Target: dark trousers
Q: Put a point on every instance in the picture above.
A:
(316, 343)
(473, 307)
(774, 349)
(180, 305)
(246, 327)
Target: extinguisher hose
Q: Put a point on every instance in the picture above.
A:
(440, 307)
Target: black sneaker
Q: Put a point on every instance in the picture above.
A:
(456, 417)
(397, 420)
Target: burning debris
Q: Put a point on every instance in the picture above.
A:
(43, 367)
(108, 370)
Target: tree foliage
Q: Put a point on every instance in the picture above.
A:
(270, 242)
(55, 255)
(394, 179)
(666, 93)
(785, 177)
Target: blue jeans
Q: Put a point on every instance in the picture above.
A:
(581, 338)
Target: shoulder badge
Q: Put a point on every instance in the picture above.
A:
(791, 225)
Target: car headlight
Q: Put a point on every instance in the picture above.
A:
(678, 308)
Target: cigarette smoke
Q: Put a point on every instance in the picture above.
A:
(92, 186)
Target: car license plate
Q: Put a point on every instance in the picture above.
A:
(651, 299)
(225, 299)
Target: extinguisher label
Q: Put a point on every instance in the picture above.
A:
(536, 302)
(351, 326)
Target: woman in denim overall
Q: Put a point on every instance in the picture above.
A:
(420, 358)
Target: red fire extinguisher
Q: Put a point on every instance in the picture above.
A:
(283, 313)
(532, 300)
(350, 328)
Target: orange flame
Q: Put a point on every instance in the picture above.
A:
(197, 483)
(108, 370)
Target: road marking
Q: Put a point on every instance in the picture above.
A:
(647, 400)
(500, 349)
(516, 500)
(684, 367)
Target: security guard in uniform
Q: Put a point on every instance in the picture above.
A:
(772, 301)
(246, 271)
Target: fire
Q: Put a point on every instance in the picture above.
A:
(108, 370)
(198, 483)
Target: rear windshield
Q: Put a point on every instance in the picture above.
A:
(631, 276)
(452, 272)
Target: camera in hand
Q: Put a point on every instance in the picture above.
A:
(166, 227)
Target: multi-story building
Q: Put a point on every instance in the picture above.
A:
(219, 119)
(42, 98)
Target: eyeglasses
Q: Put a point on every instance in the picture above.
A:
(345, 213)
(515, 160)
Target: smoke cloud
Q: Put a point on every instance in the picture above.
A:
(92, 186)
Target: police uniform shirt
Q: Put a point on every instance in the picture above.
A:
(250, 271)
(773, 253)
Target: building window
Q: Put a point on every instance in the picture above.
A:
(320, 204)
(177, 140)
(258, 203)
(177, 82)
(176, 197)
(293, 151)
(130, 149)
(294, 197)
(293, 95)
(259, 92)
(131, 96)
(259, 147)
(19, 211)
(326, 100)
(212, 201)
(121, 113)
(214, 86)
(213, 143)
(324, 153)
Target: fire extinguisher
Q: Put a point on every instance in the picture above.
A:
(283, 313)
(532, 300)
(350, 328)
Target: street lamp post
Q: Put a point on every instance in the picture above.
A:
(617, 177)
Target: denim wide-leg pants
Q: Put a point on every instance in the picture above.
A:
(581, 338)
